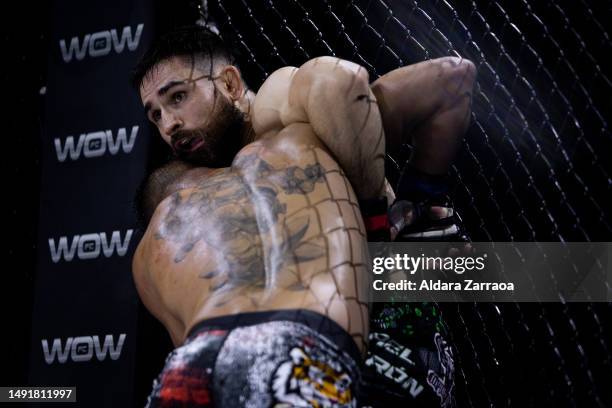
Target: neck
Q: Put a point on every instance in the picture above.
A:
(246, 106)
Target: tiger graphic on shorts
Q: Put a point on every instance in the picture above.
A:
(304, 381)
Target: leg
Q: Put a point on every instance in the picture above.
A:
(428, 105)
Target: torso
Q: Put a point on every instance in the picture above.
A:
(280, 229)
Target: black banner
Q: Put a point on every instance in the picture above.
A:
(94, 149)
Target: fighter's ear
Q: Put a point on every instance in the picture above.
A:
(231, 82)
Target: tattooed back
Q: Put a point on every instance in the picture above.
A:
(279, 229)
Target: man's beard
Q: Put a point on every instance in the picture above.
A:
(223, 137)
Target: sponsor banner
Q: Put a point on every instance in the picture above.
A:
(101, 43)
(95, 143)
(490, 272)
(82, 348)
(89, 246)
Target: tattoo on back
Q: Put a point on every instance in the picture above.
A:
(233, 211)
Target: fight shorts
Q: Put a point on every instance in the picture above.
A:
(410, 362)
(288, 358)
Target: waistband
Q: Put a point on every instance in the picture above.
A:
(316, 321)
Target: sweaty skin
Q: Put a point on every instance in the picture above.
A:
(279, 229)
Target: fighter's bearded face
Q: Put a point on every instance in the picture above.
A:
(193, 113)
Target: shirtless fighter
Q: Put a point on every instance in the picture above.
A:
(258, 270)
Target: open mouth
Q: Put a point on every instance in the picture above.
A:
(188, 144)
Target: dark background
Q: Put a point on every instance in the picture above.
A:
(509, 355)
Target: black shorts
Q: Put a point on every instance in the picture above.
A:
(409, 362)
(294, 357)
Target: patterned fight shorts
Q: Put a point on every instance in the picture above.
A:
(289, 358)
(409, 361)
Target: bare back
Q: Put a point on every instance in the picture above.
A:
(280, 229)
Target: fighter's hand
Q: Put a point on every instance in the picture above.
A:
(410, 222)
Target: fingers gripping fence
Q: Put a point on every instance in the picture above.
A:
(535, 164)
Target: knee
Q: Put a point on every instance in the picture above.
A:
(456, 72)
(455, 83)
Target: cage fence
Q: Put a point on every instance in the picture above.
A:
(534, 165)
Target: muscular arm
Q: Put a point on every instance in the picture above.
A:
(428, 105)
(334, 96)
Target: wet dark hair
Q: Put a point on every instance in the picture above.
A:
(195, 42)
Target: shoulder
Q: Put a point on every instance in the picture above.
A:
(270, 99)
(277, 84)
(165, 209)
(168, 213)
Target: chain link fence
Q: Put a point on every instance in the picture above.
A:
(535, 164)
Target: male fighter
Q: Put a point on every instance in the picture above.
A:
(262, 263)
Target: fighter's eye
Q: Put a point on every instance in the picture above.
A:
(178, 97)
(156, 115)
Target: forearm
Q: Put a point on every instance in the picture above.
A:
(335, 98)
